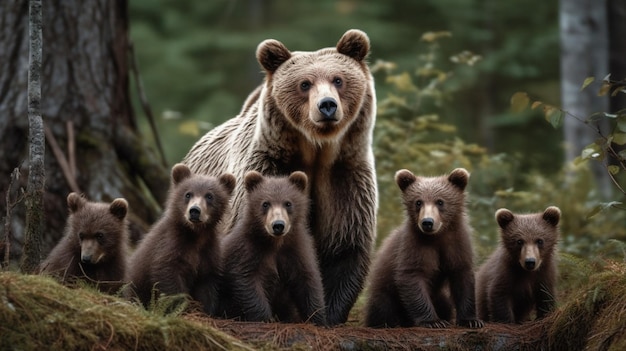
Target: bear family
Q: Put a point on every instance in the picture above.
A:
(180, 254)
(520, 275)
(315, 113)
(270, 268)
(424, 268)
(95, 244)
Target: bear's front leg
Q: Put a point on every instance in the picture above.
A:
(415, 297)
(462, 289)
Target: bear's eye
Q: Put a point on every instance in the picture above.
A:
(287, 204)
(520, 242)
(81, 236)
(337, 82)
(99, 235)
(418, 203)
(266, 204)
(305, 86)
(208, 197)
(439, 203)
(539, 242)
(188, 196)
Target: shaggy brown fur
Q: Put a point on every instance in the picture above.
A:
(270, 269)
(181, 253)
(520, 275)
(314, 113)
(95, 244)
(427, 259)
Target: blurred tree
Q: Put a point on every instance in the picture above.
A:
(94, 144)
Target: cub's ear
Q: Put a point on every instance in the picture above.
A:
(271, 54)
(459, 177)
(228, 181)
(75, 202)
(504, 217)
(299, 179)
(404, 178)
(252, 179)
(354, 43)
(552, 215)
(119, 208)
(180, 172)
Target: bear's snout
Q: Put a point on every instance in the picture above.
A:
(428, 224)
(278, 227)
(194, 213)
(86, 258)
(328, 107)
(529, 263)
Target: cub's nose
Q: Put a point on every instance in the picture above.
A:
(428, 224)
(85, 258)
(328, 107)
(278, 227)
(529, 264)
(194, 214)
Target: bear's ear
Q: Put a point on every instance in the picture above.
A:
(504, 217)
(228, 181)
(459, 178)
(119, 208)
(299, 179)
(271, 54)
(75, 202)
(180, 172)
(552, 215)
(404, 178)
(354, 43)
(252, 179)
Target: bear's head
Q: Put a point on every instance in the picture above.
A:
(197, 200)
(320, 93)
(101, 228)
(277, 203)
(530, 239)
(433, 204)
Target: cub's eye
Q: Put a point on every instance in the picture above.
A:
(81, 236)
(188, 196)
(305, 86)
(266, 204)
(539, 241)
(99, 235)
(520, 242)
(208, 197)
(337, 82)
(439, 202)
(287, 204)
(418, 203)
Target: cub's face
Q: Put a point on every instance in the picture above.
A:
(320, 93)
(199, 200)
(530, 239)
(277, 204)
(433, 204)
(99, 227)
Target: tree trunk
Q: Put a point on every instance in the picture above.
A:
(617, 48)
(584, 53)
(93, 143)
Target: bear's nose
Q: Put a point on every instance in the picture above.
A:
(278, 227)
(194, 213)
(428, 224)
(328, 107)
(529, 264)
(85, 258)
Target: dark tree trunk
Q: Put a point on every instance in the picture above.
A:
(86, 107)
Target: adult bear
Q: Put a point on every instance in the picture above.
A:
(315, 113)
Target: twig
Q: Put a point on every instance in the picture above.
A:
(71, 148)
(65, 166)
(144, 100)
(15, 175)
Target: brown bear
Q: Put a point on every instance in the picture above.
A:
(95, 245)
(181, 254)
(314, 113)
(424, 267)
(520, 275)
(270, 268)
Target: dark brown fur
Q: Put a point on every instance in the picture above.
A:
(269, 271)
(424, 267)
(181, 254)
(95, 244)
(520, 275)
(281, 129)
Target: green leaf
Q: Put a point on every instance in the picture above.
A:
(613, 169)
(621, 123)
(519, 101)
(619, 138)
(536, 104)
(587, 81)
(556, 119)
(601, 207)
(605, 88)
(622, 155)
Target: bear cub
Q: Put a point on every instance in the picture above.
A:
(95, 245)
(424, 267)
(270, 268)
(520, 275)
(181, 254)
